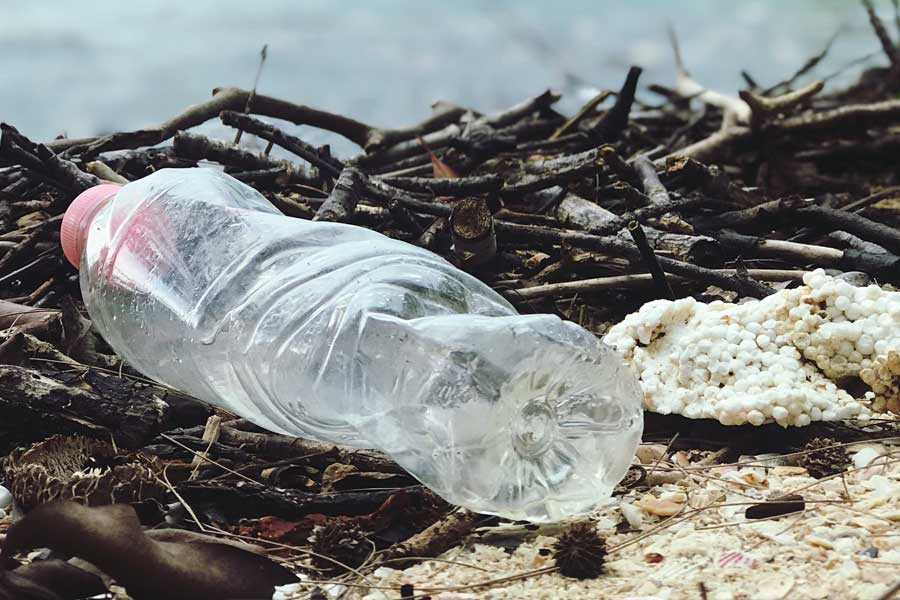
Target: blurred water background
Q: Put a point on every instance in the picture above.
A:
(83, 68)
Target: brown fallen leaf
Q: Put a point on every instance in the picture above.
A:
(441, 169)
(40, 322)
(49, 580)
(170, 564)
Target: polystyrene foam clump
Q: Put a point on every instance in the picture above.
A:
(780, 359)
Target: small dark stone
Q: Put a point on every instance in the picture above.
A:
(776, 507)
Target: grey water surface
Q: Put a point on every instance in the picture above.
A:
(83, 68)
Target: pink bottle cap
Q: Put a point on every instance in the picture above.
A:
(78, 216)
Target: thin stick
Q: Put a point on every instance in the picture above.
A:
(581, 114)
(651, 261)
(262, 61)
(887, 44)
(637, 280)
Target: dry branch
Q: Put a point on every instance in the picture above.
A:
(343, 199)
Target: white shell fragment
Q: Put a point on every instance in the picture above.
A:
(778, 359)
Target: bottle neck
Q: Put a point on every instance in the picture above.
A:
(77, 220)
(84, 225)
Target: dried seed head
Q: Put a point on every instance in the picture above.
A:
(823, 461)
(341, 541)
(580, 552)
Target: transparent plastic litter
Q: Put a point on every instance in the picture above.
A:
(341, 334)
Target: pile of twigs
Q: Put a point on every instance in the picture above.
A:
(688, 192)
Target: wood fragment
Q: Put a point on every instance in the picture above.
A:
(342, 201)
(663, 288)
(472, 231)
(653, 187)
(765, 108)
(512, 231)
(198, 147)
(441, 536)
(16, 147)
(611, 124)
(430, 236)
(284, 446)
(326, 164)
(585, 110)
(459, 186)
(887, 44)
(102, 170)
(869, 230)
(635, 281)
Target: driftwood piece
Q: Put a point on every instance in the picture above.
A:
(283, 446)
(434, 540)
(711, 179)
(700, 250)
(455, 133)
(651, 261)
(198, 147)
(430, 236)
(342, 201)
(712, 147)
(34, 406)
(766, 109)
(326, 164)
(615, 246)
(613, 123)
(539, 175)
(16, 147)
(887, 44)
(248, 500)
(634, 281)
(880, 264)
(625, 171)
(579, 213)
(458, 186)
(883, 235)
(653, 187)
(583, 112)
(856, 243)
(100, 169)
(472, 231)
(235, 99)
(761, 214)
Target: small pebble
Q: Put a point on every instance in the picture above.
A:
(6, 499)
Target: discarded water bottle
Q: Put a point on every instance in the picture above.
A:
(338, 333)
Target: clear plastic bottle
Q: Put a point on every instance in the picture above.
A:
(340, 334)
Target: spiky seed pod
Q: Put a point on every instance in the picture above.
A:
(340, 540)
(823, 461)
(580, 552)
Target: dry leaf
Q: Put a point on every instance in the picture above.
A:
(441, 169)
(184, 566)
(39, 322)
(49, 580)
